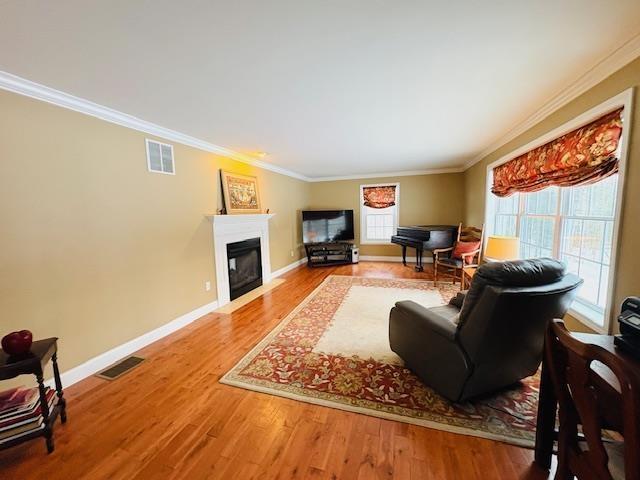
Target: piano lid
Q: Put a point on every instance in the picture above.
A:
(430, 227)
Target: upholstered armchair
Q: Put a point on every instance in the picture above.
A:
(488, 338)
(464, 253)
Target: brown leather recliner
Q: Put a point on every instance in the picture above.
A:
(488, 338)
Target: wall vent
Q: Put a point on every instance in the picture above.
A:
(160, 157)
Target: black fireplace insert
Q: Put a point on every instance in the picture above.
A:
(245, 266)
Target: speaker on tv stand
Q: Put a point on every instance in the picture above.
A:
(355, 254)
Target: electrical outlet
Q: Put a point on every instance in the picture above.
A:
(207, 285)
(292, 253)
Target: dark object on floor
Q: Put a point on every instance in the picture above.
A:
(629, 320)
(118, 369)
(488, 338)
(424, 237)
(595, 398)
(33, 364)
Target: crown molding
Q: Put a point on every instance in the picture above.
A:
(620, 57)
(609, 65)
(22, 86)
(404, 173)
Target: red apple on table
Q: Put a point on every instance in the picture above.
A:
(17, 343)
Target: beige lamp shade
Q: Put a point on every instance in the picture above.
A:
(502, 248)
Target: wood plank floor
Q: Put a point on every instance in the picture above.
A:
(171, 419)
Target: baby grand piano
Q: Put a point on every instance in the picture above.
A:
(424, 237)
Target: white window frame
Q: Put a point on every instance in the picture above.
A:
(363, 219)
(623, 99)
(173, 158)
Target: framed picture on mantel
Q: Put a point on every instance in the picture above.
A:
(240, 193)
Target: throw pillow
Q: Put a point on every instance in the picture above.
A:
(464, 247)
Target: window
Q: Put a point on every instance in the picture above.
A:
(160, 157)
(377, 225)
(573, 224)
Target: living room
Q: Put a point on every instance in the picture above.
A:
(295, 240)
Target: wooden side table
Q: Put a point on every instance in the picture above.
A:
(33, 364)
(467, 275)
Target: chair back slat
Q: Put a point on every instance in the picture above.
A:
(470, 234)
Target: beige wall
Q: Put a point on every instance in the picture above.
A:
(628, 262)
(94, 248)
(424, 199)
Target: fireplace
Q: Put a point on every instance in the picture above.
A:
(244, 262)
(235, 229)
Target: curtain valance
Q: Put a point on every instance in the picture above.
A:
(379, 197)
(580, 157)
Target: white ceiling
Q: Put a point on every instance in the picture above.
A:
(326, 87)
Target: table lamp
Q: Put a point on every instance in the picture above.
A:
(502, 248)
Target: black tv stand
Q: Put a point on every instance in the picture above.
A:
(323, 254)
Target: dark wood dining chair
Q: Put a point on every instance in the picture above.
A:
(591, 404)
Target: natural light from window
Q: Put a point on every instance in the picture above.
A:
(573, 224)
(378, 224)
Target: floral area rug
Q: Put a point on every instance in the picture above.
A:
(333, 350)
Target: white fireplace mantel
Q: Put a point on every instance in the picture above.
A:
(236, 228)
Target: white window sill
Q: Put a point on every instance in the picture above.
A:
(592, 318)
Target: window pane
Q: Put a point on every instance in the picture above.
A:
(590, 273)
(575, 201)
(544, 202)
(608, 243)
(507, 204)
(505, 225)
(603, 197)
(592, 240)
(604, 286)
(573, 263)
(371, 221)
(537, 231)
(571, 236)
(595, 200)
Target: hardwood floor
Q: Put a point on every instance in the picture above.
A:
(171, 419)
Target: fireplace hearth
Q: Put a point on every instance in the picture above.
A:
(244, 261)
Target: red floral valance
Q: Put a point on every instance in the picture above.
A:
(582, 156)
(379, 197)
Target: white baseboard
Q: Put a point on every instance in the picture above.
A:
(385, 258)
(288, 268)
(105, 359)
(110, 357)
(364, 258)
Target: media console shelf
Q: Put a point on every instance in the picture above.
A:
(321, 254)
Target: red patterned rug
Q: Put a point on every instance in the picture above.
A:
(333, 350)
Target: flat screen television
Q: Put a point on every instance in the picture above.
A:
(326, 226)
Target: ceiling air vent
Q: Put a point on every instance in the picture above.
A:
(160, 157)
